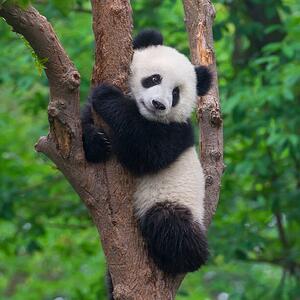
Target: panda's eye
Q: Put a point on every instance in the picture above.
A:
(152, 80)
(175, 95)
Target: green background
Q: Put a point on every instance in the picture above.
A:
(49, 248)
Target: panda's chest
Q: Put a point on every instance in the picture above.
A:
(182, 182)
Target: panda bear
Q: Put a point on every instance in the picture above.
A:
(152, 136)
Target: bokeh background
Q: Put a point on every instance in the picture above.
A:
(49, 249)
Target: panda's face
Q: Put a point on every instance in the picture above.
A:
(163, 83)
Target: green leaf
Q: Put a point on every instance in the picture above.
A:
(39, 62)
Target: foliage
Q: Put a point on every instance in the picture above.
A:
(49, 248)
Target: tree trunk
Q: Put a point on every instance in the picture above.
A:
(106, 189)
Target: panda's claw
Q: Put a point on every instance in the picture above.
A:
(104, 138)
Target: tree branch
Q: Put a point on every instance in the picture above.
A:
(199, 16)
(107, 189)
(63, 79)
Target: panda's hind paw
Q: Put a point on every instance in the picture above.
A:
(176, 243)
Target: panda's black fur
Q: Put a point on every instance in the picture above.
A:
(173, 222)
(96, 145)
(145, 147)
(146, 38)
(149, 141)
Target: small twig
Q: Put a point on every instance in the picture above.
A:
(281, 231)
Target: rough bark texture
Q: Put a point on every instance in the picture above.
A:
(107, 189)
(199, 19)
(112, 25)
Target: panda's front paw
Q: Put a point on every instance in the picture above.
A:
(103, 137)
(103, 95)
(97, 147)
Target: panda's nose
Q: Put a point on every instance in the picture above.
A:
(158, 105)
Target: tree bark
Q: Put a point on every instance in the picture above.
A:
(199, 17)
(106, 189)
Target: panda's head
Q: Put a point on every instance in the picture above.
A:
(163, 82)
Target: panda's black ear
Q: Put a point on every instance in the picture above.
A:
(204, 80)
(146, 38)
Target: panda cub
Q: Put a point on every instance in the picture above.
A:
(153, 138)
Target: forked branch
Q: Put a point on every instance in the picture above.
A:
(107, 189)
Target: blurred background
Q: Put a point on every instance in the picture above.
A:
(49, 248)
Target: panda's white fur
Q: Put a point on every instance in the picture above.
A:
(181, 183)
(175, 70)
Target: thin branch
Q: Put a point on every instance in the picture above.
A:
(277, 213)
(281, 231)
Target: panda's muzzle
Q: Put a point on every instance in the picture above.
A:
(158, 105)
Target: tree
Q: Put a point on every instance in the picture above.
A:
(106, 189)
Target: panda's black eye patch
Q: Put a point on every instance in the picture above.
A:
(152, 80)
(175, 95)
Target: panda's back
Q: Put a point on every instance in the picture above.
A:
(181, 183)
